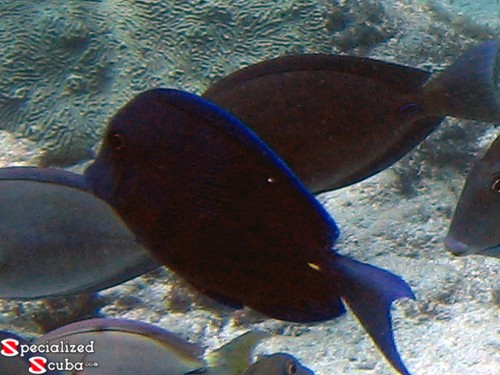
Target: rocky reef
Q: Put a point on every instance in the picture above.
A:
(68, 65)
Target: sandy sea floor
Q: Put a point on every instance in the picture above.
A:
(396, 220)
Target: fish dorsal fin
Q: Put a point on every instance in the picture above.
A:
(234, 357)
(47, 175)
(404, 78)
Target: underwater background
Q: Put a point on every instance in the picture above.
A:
(67, 66)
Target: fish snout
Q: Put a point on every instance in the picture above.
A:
(101, 179)
(456, 247)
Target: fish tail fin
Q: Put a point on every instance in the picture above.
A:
(468, 88)
(369, 292)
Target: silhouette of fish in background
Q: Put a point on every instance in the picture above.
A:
(475, 228)
(118, 342)
(336, 120)
(217, 206)
(57, 238)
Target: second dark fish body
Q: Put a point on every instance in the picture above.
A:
(336, 120)
(217, 206)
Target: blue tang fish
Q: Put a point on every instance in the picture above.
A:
(57, 238)
(336, 120)
(212, 202)
(475, 228)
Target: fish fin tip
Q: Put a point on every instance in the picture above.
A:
(370, 292)
(469, 87)
(236, 354)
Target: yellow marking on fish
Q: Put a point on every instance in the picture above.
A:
(314, 266)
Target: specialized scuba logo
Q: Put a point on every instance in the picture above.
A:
(40, 365)
(9, 347)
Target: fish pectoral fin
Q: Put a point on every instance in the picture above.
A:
(369, 293)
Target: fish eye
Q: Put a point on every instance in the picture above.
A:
(495, 187)
(291, 367)
(410, 109)
(116, 141)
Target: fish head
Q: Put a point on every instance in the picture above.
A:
(139, 159)
(475, 228)
(146, 141)
(278, 364)
(127, 151)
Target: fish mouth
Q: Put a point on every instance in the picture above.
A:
(111, 182)
(101, 180)
(456, 247)
(459, 248)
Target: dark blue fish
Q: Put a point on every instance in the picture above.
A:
(336, 120)
(18, 364)
(57, 238)
(475, 228)
(217, 206)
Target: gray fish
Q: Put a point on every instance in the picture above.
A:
(126, 347)
(336, 120)
(56, 238)
(475, 228)
(123, 347)
(13, 361)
